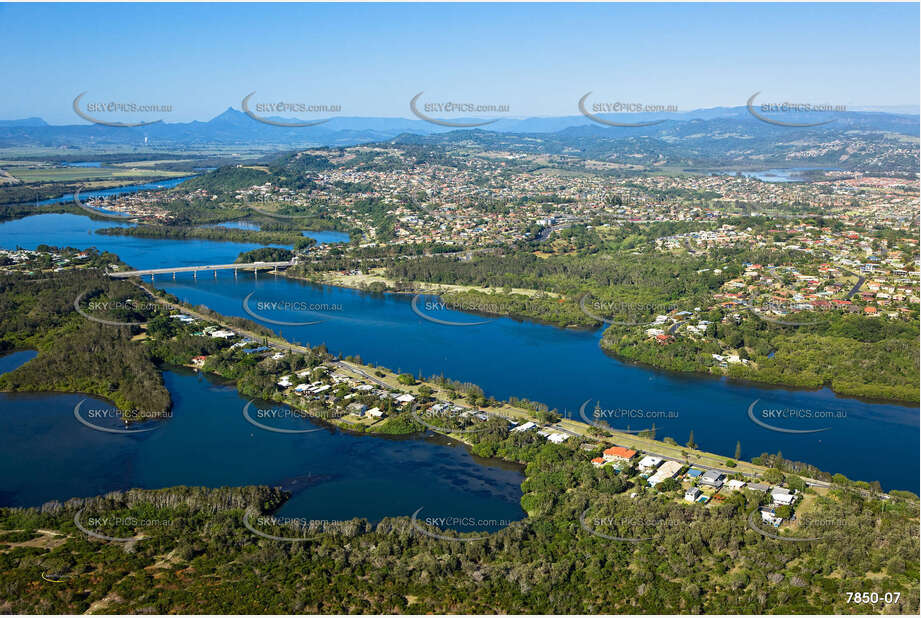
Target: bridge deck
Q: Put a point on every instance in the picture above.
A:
(190, 269)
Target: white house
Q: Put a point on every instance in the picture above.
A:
(525, 427)
(668, 470)
(552, 436)
(713, 478)
(767, 514)
(358, 409)
(692, 494)
(782, 495)
(649, 462)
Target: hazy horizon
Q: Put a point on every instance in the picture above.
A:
(536, 59)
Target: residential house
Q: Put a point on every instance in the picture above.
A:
(358, 409)
(767, 515)
(554, 437)
(618, 453)
(782, 495)
(649, 462)
(712, 478)
(666, 471)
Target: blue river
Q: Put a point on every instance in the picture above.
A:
(332, 475)
(562, 368)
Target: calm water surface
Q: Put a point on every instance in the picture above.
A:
(48, 455)
(562, 368)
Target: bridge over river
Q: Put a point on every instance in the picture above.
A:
(253, 266)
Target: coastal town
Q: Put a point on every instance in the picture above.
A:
(345, 394)
(486, 199)
(460, 309)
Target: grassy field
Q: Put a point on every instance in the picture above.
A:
(376, 276)
(142, 164)
(38, 173)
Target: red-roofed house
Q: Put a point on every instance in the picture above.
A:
(618, 453)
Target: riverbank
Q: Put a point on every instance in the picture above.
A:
(191, 232)
(584, 430)
(561, 368)
(632, 347)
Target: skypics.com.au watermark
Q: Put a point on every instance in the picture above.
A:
(623, 313)
(429, 308)
(787, 107)
(457, 523)
(303, 529)
(633, 414)
(769, 312)
(94, 108)
(97, 212)
(95, 526)
(622, 107)
(465, 522)
(602, 418)
(627, 529)
(455, 107)
(774, 418)
(94, 416)
(270, 419)
(112, 306)
(320, 310)
(256, 111)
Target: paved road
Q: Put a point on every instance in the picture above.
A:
(188, 269)
(342, 365)
(856, 288)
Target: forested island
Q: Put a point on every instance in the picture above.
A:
(290, 237)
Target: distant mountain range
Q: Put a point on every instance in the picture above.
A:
(25, 122)
(233, 127)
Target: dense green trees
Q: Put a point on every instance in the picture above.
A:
(179, 232)
(76, 353)
(266, 254)
(697, 560)
(199, 558)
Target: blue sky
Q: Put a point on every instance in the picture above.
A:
(371, 59)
